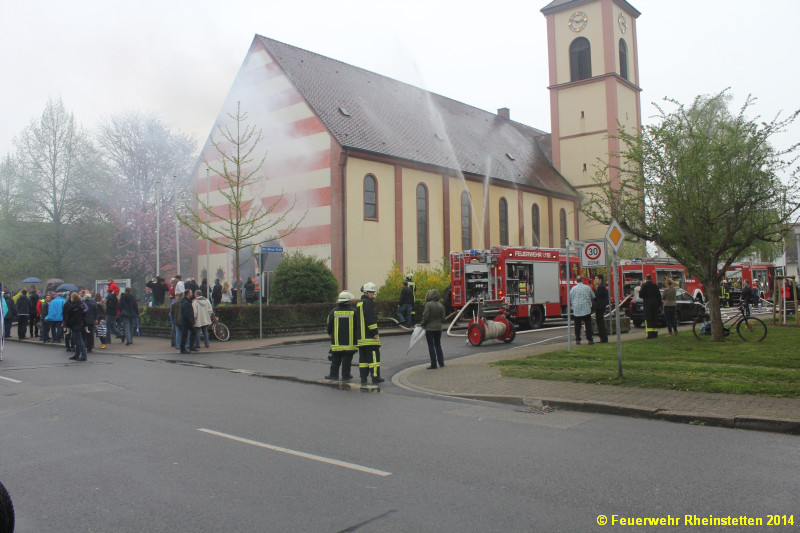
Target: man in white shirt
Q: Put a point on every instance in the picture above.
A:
(580, 297)
(180, 288)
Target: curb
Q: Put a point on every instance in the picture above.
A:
(773, 425)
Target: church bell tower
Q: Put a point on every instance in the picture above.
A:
(594, 86)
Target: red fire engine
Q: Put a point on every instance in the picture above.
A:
(524, 284)
(760, 276)
(632, 272)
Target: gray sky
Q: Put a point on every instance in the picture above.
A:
(178, 58)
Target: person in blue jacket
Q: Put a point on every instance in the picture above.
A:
(55, 316)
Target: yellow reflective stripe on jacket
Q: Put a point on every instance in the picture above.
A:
(343, 324)
(363, 339)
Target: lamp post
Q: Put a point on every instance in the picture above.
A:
(208, 218)
(177, 231)
(158, 227)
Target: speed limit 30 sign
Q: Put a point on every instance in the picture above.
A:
(594, 254)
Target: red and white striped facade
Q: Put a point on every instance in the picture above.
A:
(297, 165)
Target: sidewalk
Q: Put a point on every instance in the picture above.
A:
(472, 377)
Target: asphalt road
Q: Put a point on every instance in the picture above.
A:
(125, 444)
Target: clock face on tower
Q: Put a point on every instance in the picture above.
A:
(623, 24)
(578, 21)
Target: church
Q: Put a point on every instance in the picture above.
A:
(379, 171)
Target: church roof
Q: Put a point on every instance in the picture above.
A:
(373, 113)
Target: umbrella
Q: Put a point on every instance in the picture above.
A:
(66, 287)
(54, 281)
(416, 335)
(31, 280)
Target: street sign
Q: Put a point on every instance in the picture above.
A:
(594, 254)
(615, 235)
(268, 249)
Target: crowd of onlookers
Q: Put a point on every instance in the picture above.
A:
(25, 307)
(76, 317)
(162, 292)
(79, 317)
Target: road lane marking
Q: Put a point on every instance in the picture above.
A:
(305, 455)
(11, 380)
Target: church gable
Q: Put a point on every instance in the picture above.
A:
(297, 146)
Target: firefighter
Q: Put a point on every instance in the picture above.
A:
(369, 343)
(651, 301)
(724, 296)
(413, 285)
(342, 329)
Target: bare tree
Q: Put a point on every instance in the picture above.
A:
(246, 221)
(146, 154)
(143, 155)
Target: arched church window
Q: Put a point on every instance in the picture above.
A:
(562, 227)
(623, 59)
(422, 223)
(370, 197)
(503, 222)
(536, 227)
(466, 221)
(580, 59)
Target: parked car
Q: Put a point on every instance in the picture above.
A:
(687, 309)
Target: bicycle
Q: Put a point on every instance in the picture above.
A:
(220, 330)
(749, 328)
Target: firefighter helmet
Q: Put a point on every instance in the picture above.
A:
(344, 296)
(369, 287)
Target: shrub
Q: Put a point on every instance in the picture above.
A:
(303, 279)
(246, 316)
(424, 278)
(390, 289)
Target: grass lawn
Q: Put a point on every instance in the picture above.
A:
(767, 368)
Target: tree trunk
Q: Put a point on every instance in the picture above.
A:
(712, 297)
(237, 277)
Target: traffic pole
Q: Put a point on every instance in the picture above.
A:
(618, 300)
(569, 307)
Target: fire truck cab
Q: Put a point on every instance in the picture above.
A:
(526, 283)
(760, 277)
(632, 272)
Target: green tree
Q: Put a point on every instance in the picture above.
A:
(245, 223)
(704, 184)
(10, 264)
(300, 279)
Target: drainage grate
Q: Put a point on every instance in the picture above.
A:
(536, 410)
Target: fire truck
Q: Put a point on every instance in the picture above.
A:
(632, 272)
(524, 284)
(760, 276)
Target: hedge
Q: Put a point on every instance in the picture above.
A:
(274, 316)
